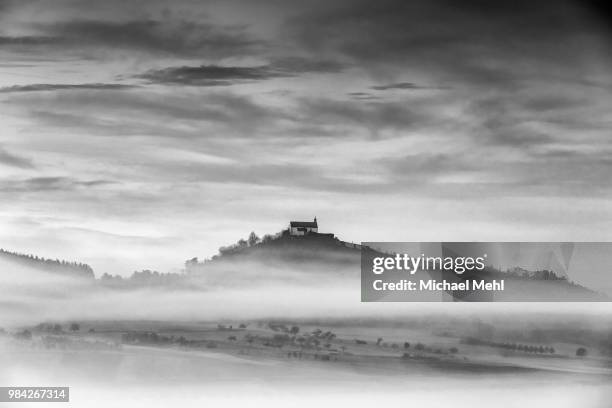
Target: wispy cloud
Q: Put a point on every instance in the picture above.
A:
(149, 112)
(41, 184)
(371, 115)
(406, 86)
(363, 96)
(13, 160)
(173, 37)
(217, 75)
(27, 40)
(298, 65)
(59, 87)
(212, 75)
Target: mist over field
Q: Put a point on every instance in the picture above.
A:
(191, 315)
(234, 290)
(144, 378)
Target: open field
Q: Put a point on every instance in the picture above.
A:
(122, 360)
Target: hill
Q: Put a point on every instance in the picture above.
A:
(278, 258)
(55, 266)
(307, 259)
(284, 247)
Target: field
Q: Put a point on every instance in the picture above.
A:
(241, 362)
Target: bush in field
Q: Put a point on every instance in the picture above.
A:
(581, 352)
(281, 337)
(24, 335)
(145, 338)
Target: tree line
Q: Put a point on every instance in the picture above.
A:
(527, 348)
(49, 265)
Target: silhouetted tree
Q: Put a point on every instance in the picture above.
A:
(190, 263)
(253, 239)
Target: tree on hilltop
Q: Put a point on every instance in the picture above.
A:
(253, 239)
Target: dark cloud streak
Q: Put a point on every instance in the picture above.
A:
(13, 160)
(61, 87)
(219, 75)
(405, 86)
(211, 75)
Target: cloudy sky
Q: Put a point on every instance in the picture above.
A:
(139, 134)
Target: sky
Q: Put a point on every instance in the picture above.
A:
(136, 135)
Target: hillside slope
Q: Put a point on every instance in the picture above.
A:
(294, 249)
(55, 266)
